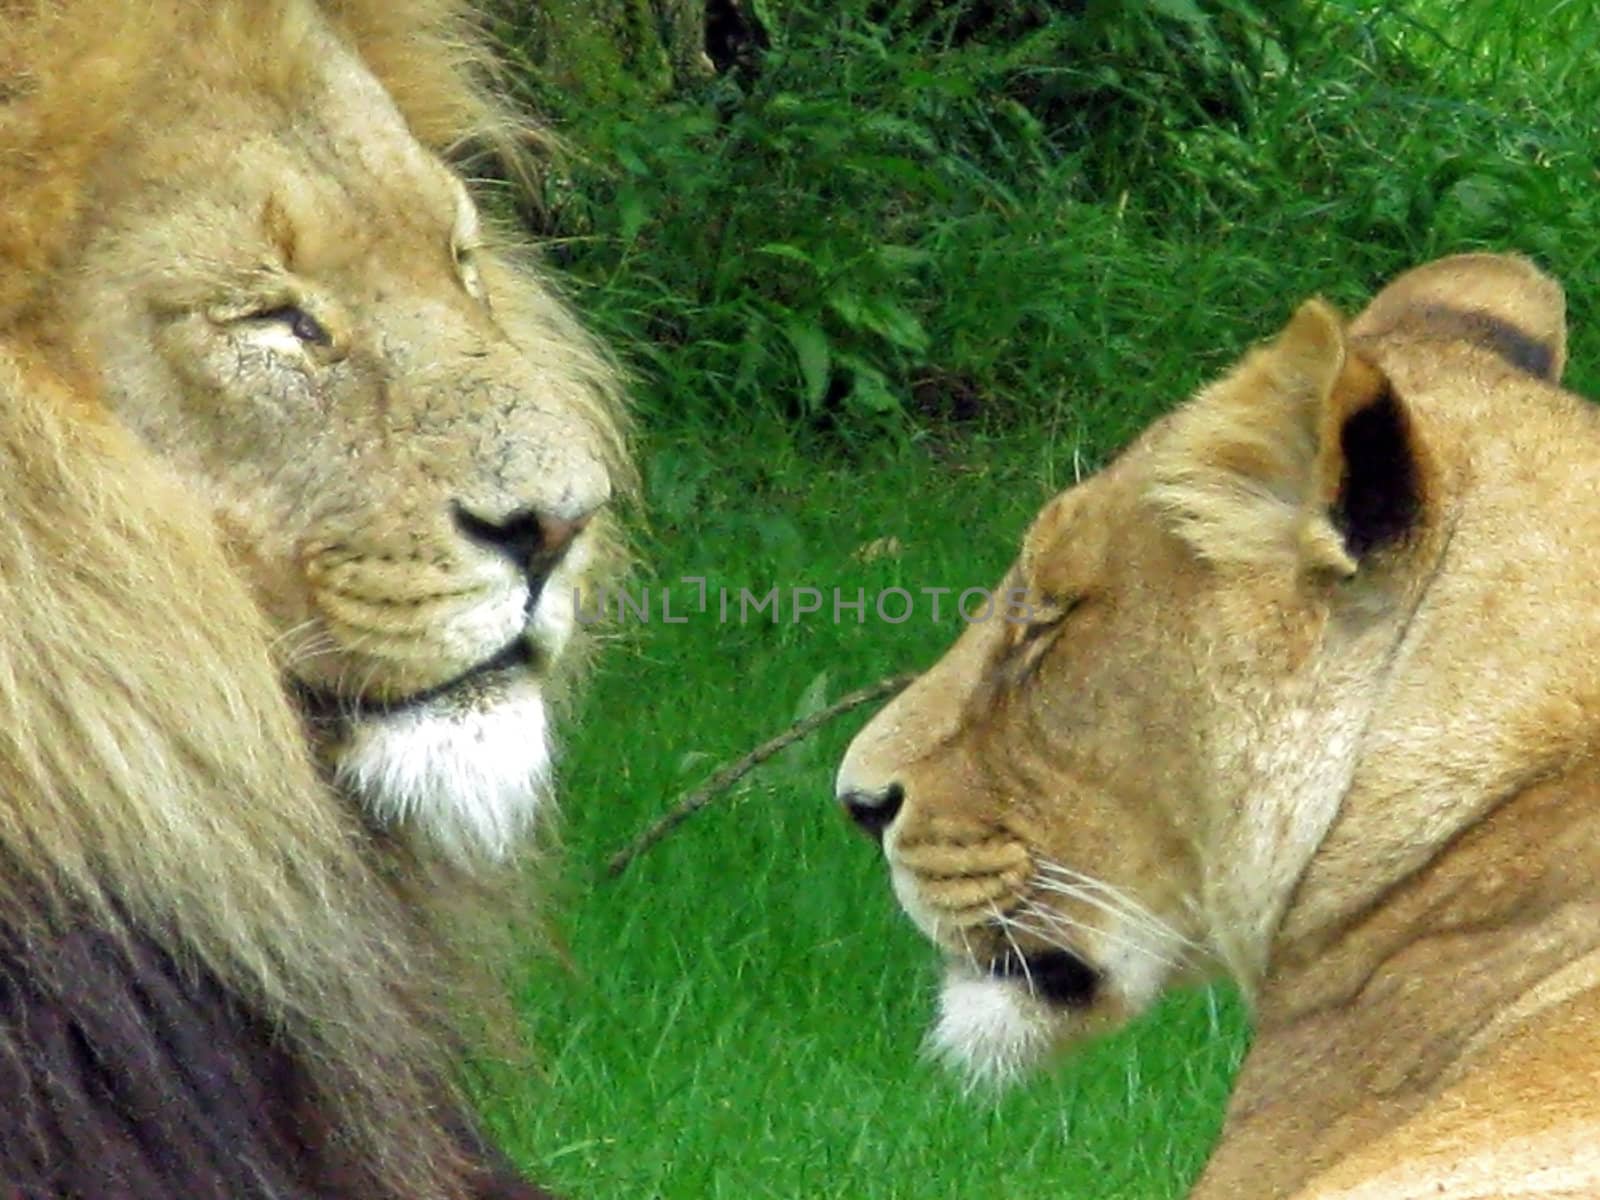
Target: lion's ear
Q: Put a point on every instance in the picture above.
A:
(1303, 456)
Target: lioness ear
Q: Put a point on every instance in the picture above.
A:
(1302, 457)
(1501, 303)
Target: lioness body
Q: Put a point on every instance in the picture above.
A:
(1311, 693)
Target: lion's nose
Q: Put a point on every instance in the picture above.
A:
(533, 540)
(875, 811)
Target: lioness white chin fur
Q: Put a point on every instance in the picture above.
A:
(1311, 695)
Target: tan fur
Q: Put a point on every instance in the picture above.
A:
(1309, 694)
(201, 504)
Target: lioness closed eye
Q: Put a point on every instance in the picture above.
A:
(1311, 696)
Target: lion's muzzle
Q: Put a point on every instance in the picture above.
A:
(430, 700)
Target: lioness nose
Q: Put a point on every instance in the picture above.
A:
(533, 540)
(874, 811)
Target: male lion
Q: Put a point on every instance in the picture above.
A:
(277, 420)
(1309, 690)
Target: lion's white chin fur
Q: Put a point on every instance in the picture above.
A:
(991, 1030)
(468, 780)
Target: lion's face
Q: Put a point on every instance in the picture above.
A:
(1120, 791)
(406, 444)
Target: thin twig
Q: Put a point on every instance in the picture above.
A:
(730, 773)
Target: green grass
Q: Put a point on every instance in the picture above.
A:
(895, 288)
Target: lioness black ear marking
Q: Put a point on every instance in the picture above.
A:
(1380, 494)
(1496, 334)
(1500, 303)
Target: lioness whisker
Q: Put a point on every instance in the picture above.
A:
(1004, 926)
(1060, 922)
(1069, 875)
(1153, 930)
(1051, 935)
(1131, 908)
(966, 943)
(1105, 903)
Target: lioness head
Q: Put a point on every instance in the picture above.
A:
(407, 442)
(1125, 788)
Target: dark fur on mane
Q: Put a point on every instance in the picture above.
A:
(130, 1076)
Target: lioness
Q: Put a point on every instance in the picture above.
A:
(1309, 692)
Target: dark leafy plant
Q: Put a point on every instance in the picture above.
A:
(907, 213)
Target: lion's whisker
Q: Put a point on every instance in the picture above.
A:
(289, 634)
(319, 645)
